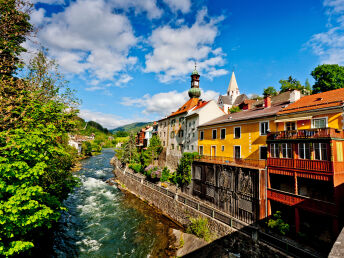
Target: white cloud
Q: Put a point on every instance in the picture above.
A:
(148, 6)
(176, 49)
(164, 103)
(182, 5)
(329, 45)
(108, 121)
(88, 37)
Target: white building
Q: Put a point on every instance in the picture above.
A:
(233, 97)
(205, 111)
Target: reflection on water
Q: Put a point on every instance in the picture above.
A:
(101, 221)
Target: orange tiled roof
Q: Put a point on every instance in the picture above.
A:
(186, 107)
(326, 99)
(201, 104)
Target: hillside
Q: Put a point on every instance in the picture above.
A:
(134, 127)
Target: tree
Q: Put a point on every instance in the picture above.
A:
(155, 148)
(14, 29)
(35, 160)
(293, 84)
(270, 91)
(234, 109)
(128, 152)
(183, 172)
(328, 77)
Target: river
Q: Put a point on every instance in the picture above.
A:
(101, 221)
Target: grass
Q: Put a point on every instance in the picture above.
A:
(200, 228)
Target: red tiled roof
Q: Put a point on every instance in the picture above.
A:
(326, 99)
(201, 104)
(186, 107)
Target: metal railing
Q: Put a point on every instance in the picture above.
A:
(255, 163)
(306, 134)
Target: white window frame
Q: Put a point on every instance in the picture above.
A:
(260, 127)
(260, 152)
(320, 153)
(234, 132)
(199, 150)
(304, 153)
(315, 118)
(278, 147)
(200, 133)
(221, 133)
(285, 125)
(281, 151)
(234, 151)
(211, 150)
(212, 134)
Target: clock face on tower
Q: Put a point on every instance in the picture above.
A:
(195, 83)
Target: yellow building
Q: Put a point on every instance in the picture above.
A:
(242, 135)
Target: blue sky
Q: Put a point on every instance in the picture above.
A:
(130, 60)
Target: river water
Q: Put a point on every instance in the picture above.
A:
(101, 221)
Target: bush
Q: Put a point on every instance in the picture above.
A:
(136, 167)
(165, 175)
(278, 224)
(199, 227)
(183, 172)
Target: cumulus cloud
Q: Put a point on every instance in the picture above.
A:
(88, 37)
(164, 103)
(108, 121)
(329, 45)
(148, 6)
(176, 49)
(176, 5)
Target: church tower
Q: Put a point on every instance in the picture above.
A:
(233, 89)
(194, 92)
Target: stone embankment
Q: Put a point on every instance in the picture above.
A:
(229, 241)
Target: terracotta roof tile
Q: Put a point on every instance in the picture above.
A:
(326, 99)
(201, 104)
(186, 107)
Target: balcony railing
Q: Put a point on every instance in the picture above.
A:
(232, 161)
(302, 202)
(306, 134)
(304, 164)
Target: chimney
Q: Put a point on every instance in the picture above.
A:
(267, 101)
(295, 95)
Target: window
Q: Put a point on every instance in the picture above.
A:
(181, 119)
(223, 133)
(201, 135)
(237, 132)
(214, 134)
(164, 143)
(172, 146)
(201, 150)
(274, 150)
(181, 133)
(173, 121)
(172, 135)
(192, 147)
(263, 152)
(319, 123)
(164, 134)
(190, 124)
(339, 149)
(304, 151)
(178, 147)
(223, 148)
(237, 152)
(286, 150)
(320, 151)
(187, 147)
(290, 126)
(193, 135)
(264, 127)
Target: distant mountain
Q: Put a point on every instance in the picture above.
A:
(134, 127)
(87, 128)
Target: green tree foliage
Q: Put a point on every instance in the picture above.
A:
(121, 134)
(293, 84)
(234, 109)
(155, 148)
(86, 148)
(270, 91)
(35, 161)
(128, 152)
(278, 224)
(14, 28)
(328, 77)
(183, 172)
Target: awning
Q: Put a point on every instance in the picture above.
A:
(293, 119)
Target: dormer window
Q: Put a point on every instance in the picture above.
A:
(318, 99)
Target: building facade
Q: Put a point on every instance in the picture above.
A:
(305, 164)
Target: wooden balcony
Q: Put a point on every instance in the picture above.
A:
(306, 134)
(302, 164)
(252, 163)
(303, 202)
